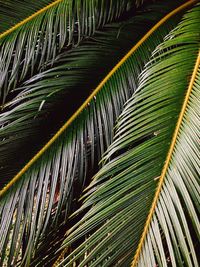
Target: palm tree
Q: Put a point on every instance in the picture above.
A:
(99, 136)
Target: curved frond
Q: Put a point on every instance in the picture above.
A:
(47, 189)
(177, 180)
(149, 185)
(35, 40)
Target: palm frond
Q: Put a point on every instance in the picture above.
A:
(46, 100)
(39, 196)
(149, 186)
(35, 40)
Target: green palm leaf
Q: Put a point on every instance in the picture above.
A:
(145, 199)
(37, 38)
(30, 207)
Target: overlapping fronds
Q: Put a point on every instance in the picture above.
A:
(38, 38)
(49, 98)
(149, 185)
(37, 195)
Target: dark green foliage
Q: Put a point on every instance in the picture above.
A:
(43, 89)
